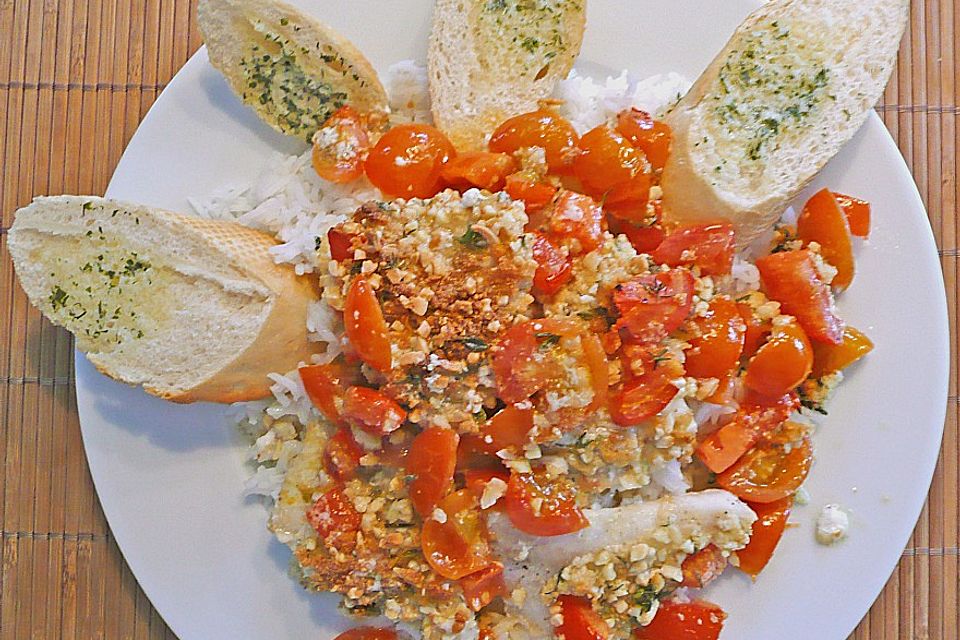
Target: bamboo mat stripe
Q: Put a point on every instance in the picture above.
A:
(77, 76)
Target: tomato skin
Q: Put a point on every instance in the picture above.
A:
(372, 411)
(646, 395)
(823, 221)
(540, 128)
(828, 358)
(756, 329)
(703, 567)
(325, 384)
(408, 160)
(627, 201)
(476, 481)
(580, 621)
(577, 222)
(708, 246)
(365, 327)
(458, 546)
(683, 621)
(605, 160)
(768, 472)
(341, 245)
(715, 351)
(652, 306)
(554, 268)
(791, 278)
(346, 129)
(643, 239)
(534, 194)
(782, 363)
(508, 428)
(481, 587)
(651, 136)
(765, 535)
(479, 169)
(857, 212)
(431, 461)
(341, 456)
(368, 633)
(558, 513)
(334, 518)
(755, 418)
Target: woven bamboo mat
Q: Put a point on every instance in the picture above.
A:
(77, 76)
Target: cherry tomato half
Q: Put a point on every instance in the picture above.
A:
(541, 128)
(708, 246)
(341, 455)
(823, 221)
(765, 535)
(372, 411)
(718, 343)
(479, 169)
(768, 472)
(340, 146)
(755, 418)
(334, 518)
(684, 621)
(605, 160)
(782, 363)
(365, 327)
(542, 506)
(828, 358)
(651, 136)
(431, 461)
(458, 546)
(652, 306)
(580, 621)
(554, 267)
(791, 278)
(408, 160)
(368, 633)
(481, 587)
(857, 212)
(703, 567)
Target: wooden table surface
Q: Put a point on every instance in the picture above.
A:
(77, 76)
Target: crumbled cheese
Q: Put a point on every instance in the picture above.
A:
(493, 491)
(832, 524)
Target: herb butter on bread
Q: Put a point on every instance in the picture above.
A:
(293, 70)
(192, 309)
(794, 83)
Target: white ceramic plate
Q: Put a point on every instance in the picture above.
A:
(169, 477)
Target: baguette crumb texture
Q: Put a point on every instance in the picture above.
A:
(191, 309)
(293, 70)
(794, 83)
(493, 59)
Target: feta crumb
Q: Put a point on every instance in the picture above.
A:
(493, 491)
(832, 524)
(439, 515)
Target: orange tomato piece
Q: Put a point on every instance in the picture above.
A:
(605, 160)
(765, 535)
(791, 278)
(652, 306)
(340, 146)
(365, 327)
(651, 136)
(580, 620)
(479, 169)
(828, 358)
(334, 518)
(368, 633)
(431, 461)
(708, 246)
(341, 455)
(372, 411)
(325, 384)
(754, 419)
(756, 329)
(459, 545)
(508, 428)
(628, 200)
(542, 506)
(576, 221)
(554, 267)
(703, 567)
(481, 587)
(534, 193)
(823, 221)
(408, 160)
(540, 128)
(646, 395)
(696, 620)
(718, 343)
(645, 239)
(768, 472)
(782, 363)
(857, 212)
(476, 480)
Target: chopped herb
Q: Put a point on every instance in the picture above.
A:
(474, 344)
(547, 340)
(87, 206)
(473, 239)
(58, 298)
(284, 22)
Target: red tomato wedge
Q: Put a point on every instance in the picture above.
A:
(459, 545)
(479, 169)
(365, 327)
(708, 246)
(782, 363)
(823, 221)
(765, 535)
(791, 278)
(652, 306)
(557, 513)
(754, 419)
(534, 193)
(368, 633)
(431, 461)
(325, 384)
(576, 221)
(857, 212)
(703, 567)
(718, 343)
(341, 244)
(476, 481)
(554, 267)
(651, 136)
(408, 160)
(508, 428)
(580, 621)
(541, 128)
(334, 518)
(646, 395)
(643, 239)
(340, 146)
(768, 472)
(684, 621)
(481, 587)
(372, 411)
(828, 358)
(606, 159)
(341, 456)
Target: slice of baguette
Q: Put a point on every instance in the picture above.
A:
(793, 84)
(493, 59)
(293, 70)
(191, 309)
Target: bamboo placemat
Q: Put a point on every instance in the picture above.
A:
(77, 76)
